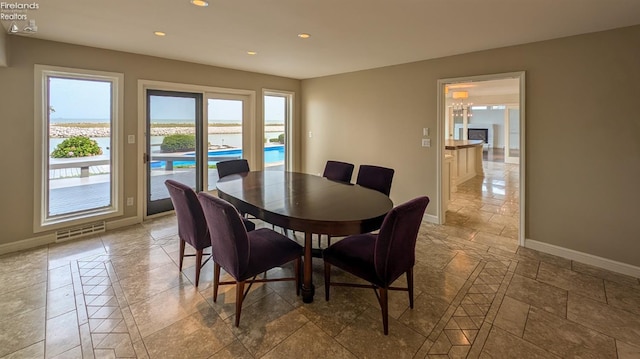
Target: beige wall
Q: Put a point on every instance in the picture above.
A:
(17, 112)
(3, 48)
(582, 132)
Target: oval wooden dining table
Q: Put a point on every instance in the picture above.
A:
(306, 203)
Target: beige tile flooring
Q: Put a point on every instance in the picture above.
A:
(120, 295)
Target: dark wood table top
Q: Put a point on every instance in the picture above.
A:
(306, 203)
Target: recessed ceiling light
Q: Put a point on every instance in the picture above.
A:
(251, 53)
(201, 3)
(159, 33)
(304, 36)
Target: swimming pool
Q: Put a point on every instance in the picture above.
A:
(272, 155)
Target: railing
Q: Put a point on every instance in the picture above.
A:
(80, 162)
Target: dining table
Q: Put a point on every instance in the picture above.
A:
(306, 203)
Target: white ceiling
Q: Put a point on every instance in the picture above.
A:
(347, 35)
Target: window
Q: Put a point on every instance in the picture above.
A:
(78, 149)
(278, 107)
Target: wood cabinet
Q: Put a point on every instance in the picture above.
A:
(446, 181)
(466, 160)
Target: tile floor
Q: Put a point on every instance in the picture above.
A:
(120, 295)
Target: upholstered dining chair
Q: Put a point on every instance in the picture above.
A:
(192, 226)
(338, 171)
(242, 254)
(230, 167)
(380, 258)
(375, 177)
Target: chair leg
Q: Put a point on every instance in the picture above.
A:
(327, 280)
(239, 299)
(216, 280)
(296, 267)
(384, 304)
(410, 286)
(198, 265)
(181, 253)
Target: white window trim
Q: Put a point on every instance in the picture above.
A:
(41, 221)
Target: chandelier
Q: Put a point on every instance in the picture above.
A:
(459, 106)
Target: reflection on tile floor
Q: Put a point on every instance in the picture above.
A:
(477, 295)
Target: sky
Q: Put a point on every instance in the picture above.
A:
(79, 99)
(89, 100)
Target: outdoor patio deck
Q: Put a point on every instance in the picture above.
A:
(68, 195)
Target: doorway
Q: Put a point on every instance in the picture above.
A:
(185, 131)
(490, 202)
(173, 120)
(226, 130)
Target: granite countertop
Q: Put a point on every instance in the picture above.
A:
(458, 144)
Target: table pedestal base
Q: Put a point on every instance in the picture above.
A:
(307, 283)
(307, 293)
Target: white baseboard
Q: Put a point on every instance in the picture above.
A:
(51, 238)
(129, 221)
(27, 243)
(431, 218)
(590, 259)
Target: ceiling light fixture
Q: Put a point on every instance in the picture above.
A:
(304, 35)
(201, 3)
(160, 33)
(461, 109)
(251, 53)
(460, 94)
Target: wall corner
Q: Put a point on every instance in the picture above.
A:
(4, 58)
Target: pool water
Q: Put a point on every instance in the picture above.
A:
(272, 154)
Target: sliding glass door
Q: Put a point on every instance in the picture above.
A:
(173, 128)
(225, 132)
(188, 130)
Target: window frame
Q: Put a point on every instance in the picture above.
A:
(42, 221)
(290, 141)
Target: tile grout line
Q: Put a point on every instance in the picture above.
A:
(438, 330)
(501, 292)
(132, 328)
(86, 343)
(483, 333)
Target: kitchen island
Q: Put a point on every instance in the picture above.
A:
(466, 160)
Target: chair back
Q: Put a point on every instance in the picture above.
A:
(338, 171)
(231, 167)
(192, 226)
(395, 246)
(376, 178)
(229, 241)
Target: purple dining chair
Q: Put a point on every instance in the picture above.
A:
(244, 255)
(230, 167)
(380, 258)
(338, 171)
(376, 178)
(192, 226)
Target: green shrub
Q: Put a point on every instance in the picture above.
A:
(178, 143)
(279, 139)
(77, 146)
